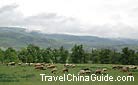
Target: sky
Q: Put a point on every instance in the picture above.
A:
(103, 18)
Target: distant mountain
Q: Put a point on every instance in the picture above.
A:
(19, 37)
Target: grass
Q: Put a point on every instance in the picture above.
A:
(27, 75)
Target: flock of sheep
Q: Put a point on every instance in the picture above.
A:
(42, 66)
(125, 68)
(53, 68)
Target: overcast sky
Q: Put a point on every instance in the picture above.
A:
(104, 18)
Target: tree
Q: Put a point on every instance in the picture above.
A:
(78, 54)
(10, 55)
(23, 55)
(128, 56)
(47, 55)
(136, 58)
(63, 55)
(104, 56)
(1, 56)
(94, 56)
(115, 57)
(55, 56)
(33, 53)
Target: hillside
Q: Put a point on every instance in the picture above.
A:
(19, 37)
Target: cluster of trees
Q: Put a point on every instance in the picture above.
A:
(34, 54)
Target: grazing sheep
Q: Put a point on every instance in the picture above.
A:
(47, 64)
(98, 71)
(130, 74)
(84, 71)
(87, 72)
(125, 69)
(19, 64)
(69, 65)
(73, 65)
(120, 67)
(26, 64)
(65, 70)
(133, 67)
(37, 64)
(51, 66)
(114, 67)
(54, 70)
(40, 67)
(31, 64)
(104, 69)
(117, 67)
(11, 64)
(81, 72)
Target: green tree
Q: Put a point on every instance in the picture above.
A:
(136, 58)
(94, 56)
(78, 54)
(1, 56)
(47, 55)
(63, 55)
(104, 56)
(127, 56)
(115, 57)
(22, 55)
(55, 56)
(32, 53)
(10, 55)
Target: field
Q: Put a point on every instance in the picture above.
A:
(27, 75)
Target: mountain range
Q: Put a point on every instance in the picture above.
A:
(19, 37)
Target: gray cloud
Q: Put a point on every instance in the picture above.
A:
(53, 23)
(50, 22)
(117, 31)
(9, 16)
(8, 8)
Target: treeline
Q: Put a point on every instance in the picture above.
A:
(35, 54)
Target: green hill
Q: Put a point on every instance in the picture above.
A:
(19, 37)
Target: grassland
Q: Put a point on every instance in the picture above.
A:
(27, 75)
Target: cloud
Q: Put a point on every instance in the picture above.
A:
(54, 23)
(8, 8)
(45, 22)
(9, 16)
(112, 31)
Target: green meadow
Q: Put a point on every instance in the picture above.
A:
(28, 75)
